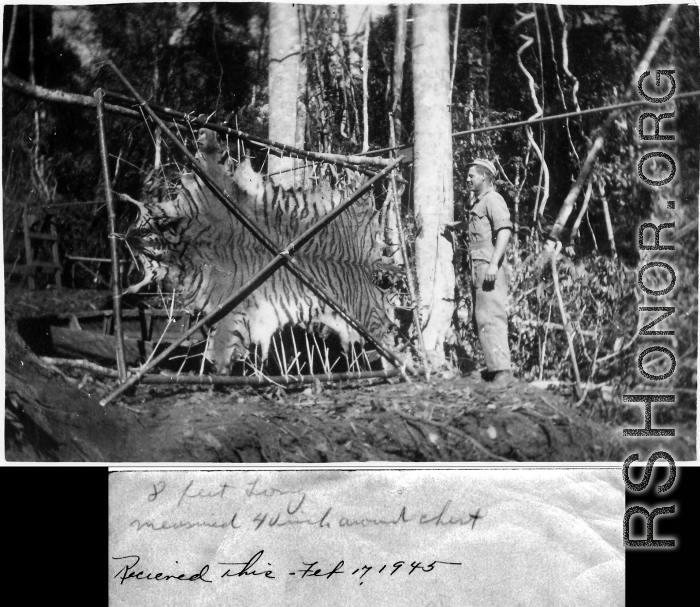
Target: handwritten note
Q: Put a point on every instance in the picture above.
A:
(373, 537)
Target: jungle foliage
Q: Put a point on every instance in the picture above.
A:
(513, 61)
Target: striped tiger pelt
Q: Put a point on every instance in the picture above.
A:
(201, 252)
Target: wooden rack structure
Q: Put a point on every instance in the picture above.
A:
(38, 226)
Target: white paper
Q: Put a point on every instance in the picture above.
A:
(449, 537)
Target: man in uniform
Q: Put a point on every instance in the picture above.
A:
(489, 232)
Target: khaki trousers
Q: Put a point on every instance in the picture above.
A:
(490, 316)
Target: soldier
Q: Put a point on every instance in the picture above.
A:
(489, 229)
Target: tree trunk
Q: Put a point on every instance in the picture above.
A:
(399, 58)
(365, 92)
(433, 194)
(300, 135)
(10, 38)
(396, 133)
(285, 59)
(486, 54)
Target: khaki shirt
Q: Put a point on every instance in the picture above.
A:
(488, 215)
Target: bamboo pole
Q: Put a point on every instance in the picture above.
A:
(113, 249)
(250, 380)
(43, 94)
(92, 259)
(582, 212)
(227, 380)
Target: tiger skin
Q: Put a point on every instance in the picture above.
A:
(195, 246)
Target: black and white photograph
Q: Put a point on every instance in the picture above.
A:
(276, 233)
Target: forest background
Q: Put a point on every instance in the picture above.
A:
(509, 62)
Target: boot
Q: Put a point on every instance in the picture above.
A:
(502, 379)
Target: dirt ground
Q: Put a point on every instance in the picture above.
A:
(53, 414)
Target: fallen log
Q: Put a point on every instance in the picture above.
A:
(227, 380)
(54, 421)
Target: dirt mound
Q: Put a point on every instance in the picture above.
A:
(437, 421)
(53, 415)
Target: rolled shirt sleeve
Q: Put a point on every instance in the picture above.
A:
(497, 212)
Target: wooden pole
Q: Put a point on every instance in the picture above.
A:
(92, 259)
(226, 380)
(582, 212)
(43, 94)
(113, 249)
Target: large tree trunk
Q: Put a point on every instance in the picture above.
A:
(285, 60)
(434, 203)
(397, 74)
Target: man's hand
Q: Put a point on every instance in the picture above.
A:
(451, 225)
(502, 238)
(491, 272)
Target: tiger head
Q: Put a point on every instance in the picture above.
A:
(153, 241)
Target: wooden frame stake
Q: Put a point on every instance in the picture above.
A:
(113, 249)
